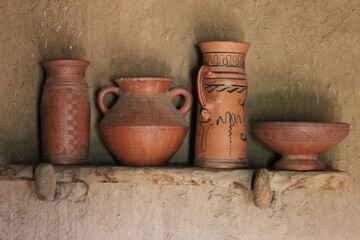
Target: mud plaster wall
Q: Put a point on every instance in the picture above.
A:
(303, 64)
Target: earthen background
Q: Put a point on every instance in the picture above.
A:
(303, 64)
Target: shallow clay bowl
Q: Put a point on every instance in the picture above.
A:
(300, 143)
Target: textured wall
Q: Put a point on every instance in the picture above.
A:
(303, 64)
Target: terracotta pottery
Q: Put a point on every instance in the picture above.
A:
(144, 128)
(65, 113)
(300, 143)
(221, 128)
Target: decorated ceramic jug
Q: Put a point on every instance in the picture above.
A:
(221, 128)
(65, 113)
(144, 128)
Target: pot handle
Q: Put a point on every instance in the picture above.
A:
(188, 99)
(101, 97)
(205, 106)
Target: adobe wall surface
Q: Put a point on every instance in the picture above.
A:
(303, 64)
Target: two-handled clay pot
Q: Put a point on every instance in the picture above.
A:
(144, 128)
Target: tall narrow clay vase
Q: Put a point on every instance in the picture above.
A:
(221, 128)
(144, 128)
(65, 113)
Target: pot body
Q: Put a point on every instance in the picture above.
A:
(221, 128)
(65, 113)
(144, 128)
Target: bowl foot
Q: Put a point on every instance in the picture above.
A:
(299, 164)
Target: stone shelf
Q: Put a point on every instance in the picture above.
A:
(82, 175)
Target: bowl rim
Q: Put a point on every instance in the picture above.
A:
(299, 124)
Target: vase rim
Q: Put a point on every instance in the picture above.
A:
(300, 124)
(145, 79)
(60, 62)
(225, 42)
(224, 47)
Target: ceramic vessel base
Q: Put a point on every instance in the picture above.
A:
(70, 161)
(299, 164)
(222, 167)
(221, 163)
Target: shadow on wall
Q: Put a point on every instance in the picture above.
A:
(60, 48)
(140, 65)
(286, 104)
(217, 30)
(18, 150)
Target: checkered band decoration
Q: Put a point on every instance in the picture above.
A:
(72, 120)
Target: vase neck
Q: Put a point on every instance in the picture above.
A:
(224, 54)
(224, 46)
(144, 86)
(65, 71)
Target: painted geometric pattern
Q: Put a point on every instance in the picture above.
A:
(228, 59)
(286, 134)
(72, 120)
(225, 88)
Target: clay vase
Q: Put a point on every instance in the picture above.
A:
(300, 143)
(221, 128)
(144, 128)
(65, 113)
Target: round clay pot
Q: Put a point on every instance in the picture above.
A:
(65, 113)
(300, 143)
(221, 128)
(144, 128)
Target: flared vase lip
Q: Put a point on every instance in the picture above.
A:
(144, 79)
(224, 46)
(227, 42)
(300, 124)
(67, 62)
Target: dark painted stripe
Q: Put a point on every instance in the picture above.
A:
(219, 85)
(228, 72)
(226, 159)
(207, 163)
(235, 66)
(70, 157)
(221, 163)
(241, 90)
(221, 90)
(224, 52)
(231, 91)
(305, 139)
(225, 78)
